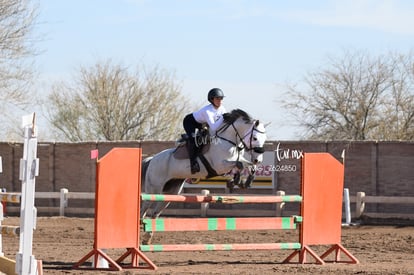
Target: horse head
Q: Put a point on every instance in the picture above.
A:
(256, 140)
(250, 134)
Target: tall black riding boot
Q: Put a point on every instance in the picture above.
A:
(193, 152)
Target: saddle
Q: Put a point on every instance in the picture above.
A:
(202, 141)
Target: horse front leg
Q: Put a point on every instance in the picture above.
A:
(237, 179)
(235, 172)
(234, 180)
(250, 177)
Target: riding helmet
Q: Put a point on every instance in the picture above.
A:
(215, 92)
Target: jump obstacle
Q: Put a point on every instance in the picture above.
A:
(117, 221)
(7, 266)
(29, 168)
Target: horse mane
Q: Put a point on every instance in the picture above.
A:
(231, 117)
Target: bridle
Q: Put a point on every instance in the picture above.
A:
(256, 149)
(244, 146)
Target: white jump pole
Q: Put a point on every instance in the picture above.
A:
(346, 201)
(205, 205)
(29, 168)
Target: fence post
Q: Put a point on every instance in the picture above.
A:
(347, 207)
(279, 205)
(29, 169)
(360, 204)
(1, 240)
(63, 202)
(204, 206)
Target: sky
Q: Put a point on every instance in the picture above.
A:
(249, 49)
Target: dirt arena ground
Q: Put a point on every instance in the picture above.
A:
(60, 242)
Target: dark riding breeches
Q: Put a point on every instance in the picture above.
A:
(190, 125)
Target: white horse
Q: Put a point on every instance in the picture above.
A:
(165, 172)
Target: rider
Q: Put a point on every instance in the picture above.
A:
(212, 114)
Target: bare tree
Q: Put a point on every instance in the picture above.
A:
(357, 97)
(108, 102)
(397, 121)
(17, 21)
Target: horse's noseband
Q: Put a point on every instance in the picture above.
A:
(259, 150)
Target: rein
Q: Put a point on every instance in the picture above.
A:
(259, 150)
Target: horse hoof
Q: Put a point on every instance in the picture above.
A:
(230, 185)
(146, 241)
(192, 180)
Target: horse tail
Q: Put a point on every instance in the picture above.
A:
(144, 168)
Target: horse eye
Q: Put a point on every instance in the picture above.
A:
(254, 138)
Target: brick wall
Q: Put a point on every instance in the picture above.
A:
(377, 168)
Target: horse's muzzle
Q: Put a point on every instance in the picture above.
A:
(257, 159)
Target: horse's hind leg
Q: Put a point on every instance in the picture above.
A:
(145, 206)
(175, 190)
(160, 207)
(155, 213)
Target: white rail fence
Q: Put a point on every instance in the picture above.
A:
(359, 202)
(63, 196)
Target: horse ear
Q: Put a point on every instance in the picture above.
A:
(257, 123)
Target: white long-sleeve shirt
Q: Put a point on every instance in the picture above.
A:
(210, 115)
